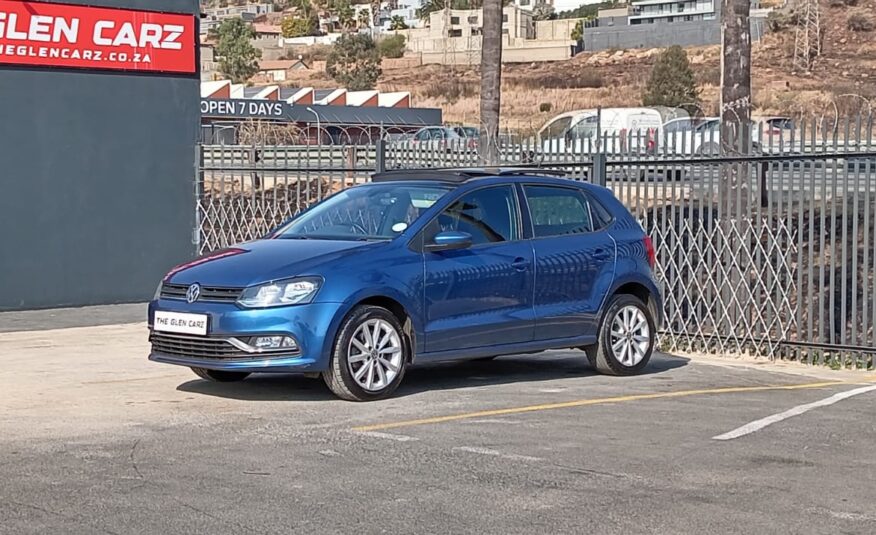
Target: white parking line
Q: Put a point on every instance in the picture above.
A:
(757, 425)
(495, 453)
(388, 436)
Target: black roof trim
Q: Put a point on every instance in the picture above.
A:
(458, 176)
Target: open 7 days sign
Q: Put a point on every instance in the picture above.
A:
(60, 35)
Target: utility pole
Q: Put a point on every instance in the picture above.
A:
(491, 82)
(807, 38)
(733, 190)
(735, 101)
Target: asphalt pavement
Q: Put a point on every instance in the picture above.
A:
(96, 439)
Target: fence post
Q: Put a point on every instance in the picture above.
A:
(199, 194)
(598, 176)
(380, 156)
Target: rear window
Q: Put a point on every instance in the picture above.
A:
(557, 211)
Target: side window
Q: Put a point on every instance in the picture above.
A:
(601, 216)
(423, 135)
(557, 211)
(489, 215)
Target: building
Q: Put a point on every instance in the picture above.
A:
(209, 65)
(656, 11)
(267, 35)
(662, 23)
(406, 10)
(211, 18)
(558, 5)
(453, 37)
(272, 71)
(319, 116)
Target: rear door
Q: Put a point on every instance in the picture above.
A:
(574, 261)
(479, 296)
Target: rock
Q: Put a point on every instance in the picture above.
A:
(845, 74)
(617, 55)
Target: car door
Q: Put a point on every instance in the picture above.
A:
(574, 261)
(481, 295)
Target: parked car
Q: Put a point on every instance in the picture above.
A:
(416, 267)
(445, 138)
(697, 137)
(617, 130)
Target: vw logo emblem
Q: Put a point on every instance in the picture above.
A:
(193, 293)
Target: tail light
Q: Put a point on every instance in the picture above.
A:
(649, 251)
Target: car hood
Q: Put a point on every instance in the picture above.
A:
(266, 260)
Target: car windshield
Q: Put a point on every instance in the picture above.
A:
(372, 212)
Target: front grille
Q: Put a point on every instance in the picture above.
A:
(196, 347)
(214, 294)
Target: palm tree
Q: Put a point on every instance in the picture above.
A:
(363, 18)
(491, 82)
(397, 22)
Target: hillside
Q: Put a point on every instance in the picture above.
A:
(842, 80)
(844, 75)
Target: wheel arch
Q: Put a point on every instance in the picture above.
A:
(643, 289)
(402, 308)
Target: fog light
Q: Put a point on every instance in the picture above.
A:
(273, 342)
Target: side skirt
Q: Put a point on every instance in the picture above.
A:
(505, 349)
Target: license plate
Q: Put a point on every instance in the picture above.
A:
(179, 322)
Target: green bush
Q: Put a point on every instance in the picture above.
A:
(392, 47)
(354, 62)
(545, 107)
(672, 82)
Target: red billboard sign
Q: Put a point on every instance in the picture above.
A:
(61, 35)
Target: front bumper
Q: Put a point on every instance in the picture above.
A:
(311, 326)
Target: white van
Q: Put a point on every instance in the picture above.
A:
(622, 130)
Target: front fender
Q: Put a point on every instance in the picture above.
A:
(411, 307)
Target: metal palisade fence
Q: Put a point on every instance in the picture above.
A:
(767, 249)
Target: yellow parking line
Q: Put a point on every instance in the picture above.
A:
(594, 401)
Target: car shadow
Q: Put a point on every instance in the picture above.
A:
(426, 377)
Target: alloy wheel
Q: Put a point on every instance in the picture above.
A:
(375, 355)
(630, 336)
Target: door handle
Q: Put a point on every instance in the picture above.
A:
(600, 254)
(520, 264)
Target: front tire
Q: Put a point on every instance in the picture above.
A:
(627, 335)
(219, 376)
(370, 355)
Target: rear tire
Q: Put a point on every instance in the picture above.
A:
(220, 376)
(370, 355)
(627, 334)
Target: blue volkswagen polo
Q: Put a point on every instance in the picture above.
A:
(418, 266)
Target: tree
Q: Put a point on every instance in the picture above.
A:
(430, 6)
(578, 31)
(300, 26)
(392, 47)
(363, 18)
(587, 11)
(346, 15)
(491, 82)
(354, 62)
(672, 82)
(238, 59)
(542, 11)
(397, 22)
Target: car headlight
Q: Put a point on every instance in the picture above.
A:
(274, 294)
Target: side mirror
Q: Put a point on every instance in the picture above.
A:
(450, 240)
